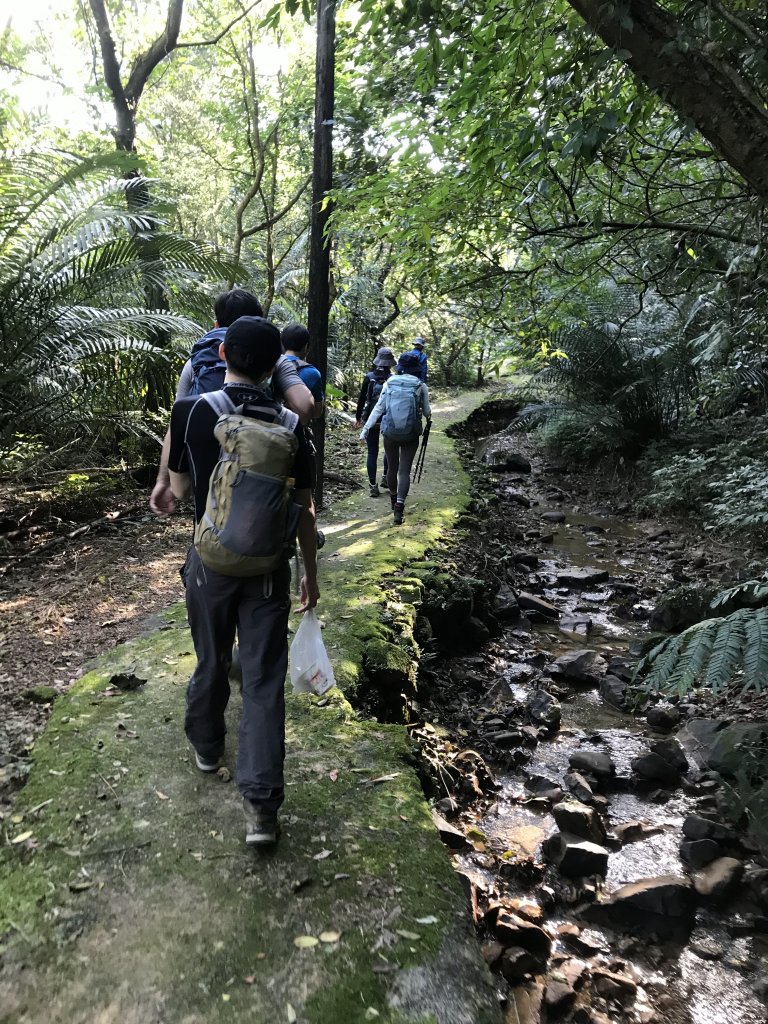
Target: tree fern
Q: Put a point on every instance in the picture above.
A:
(714, 653)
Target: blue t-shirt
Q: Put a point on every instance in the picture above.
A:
(310, 377)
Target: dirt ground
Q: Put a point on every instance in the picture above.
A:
(65, 599)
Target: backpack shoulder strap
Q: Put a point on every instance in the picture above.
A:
(219, 401)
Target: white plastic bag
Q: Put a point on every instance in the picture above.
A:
(311, 670)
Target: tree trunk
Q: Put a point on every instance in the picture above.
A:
(322, 180)
(698, 81)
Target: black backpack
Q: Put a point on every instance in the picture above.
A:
(376, 381)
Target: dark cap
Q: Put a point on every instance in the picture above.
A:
(418, 343)
(408, 363)
(252, 346)
(384, 357)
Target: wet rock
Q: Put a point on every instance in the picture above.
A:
(579, 787)
(559, 998)
(526, 558)
(736, 744)
(718, 880)
(653, 768)
(506, 739)
(670, 896)
(757, 881)
(575, 857)
(580, 820)
(476, 632)
(622, 668)
(619, 988)
(544, 710)
(447, 806)
(696, 853)
(698, 735)
(543, 787)
(516, 962)
(634, 831)
(663, 718)
(593, 762)
(706, 949)
(451, 836)
(582, 577)
(672, 752)
(553, 517)
(530, 602)
(516, 932)
(613, 691)
(492, 952)
(583, 667)
(517, 497)
(507, 460)
(505, 606)
(696, 826)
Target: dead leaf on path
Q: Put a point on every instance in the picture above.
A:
(249, 979)
(380, 779)
(323, 855)
(197, 855)
(22, 837)
(340, 876)
(413, 936)
(80, 885)
(305, 941)
(290, 1013)
(330, 936)
(431, 919)
(225, 997)
(160, 796)
(261, 956)
(333, 775)
(224, 774)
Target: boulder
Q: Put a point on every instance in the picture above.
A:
(559, 998)
(553, 517)
(505, 606)
(543, 709)
(511, 930)
(543, 787)
(498, 453)
(580, 820)
(619, 988)
(526, 558)
(757, 881)
(584, 667)
(530, 602)
(593, 762)
(451, 836)
(663, 718)
(574, 856)
(665, 896)
(672, 752)
(634, 831)
(695, 826)
(736, 743)
(516, 962)
(579, 787)
(696, 853)
(718, 880)
(613, 691)
(653, 768)
(584, 577)
(680, 608)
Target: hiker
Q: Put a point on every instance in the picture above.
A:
(204, 371)
(240, 469)
(373, 382)
(402, 402)
(295, 341)
(418, 350)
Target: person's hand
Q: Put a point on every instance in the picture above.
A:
(309, 594)
(162, 500)
(358, 424)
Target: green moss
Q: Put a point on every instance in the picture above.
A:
(40, 694)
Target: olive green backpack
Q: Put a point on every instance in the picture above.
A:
(250, 521)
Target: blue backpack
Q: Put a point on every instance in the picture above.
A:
(402, 418)
(207, 369)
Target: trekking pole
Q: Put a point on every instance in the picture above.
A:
(418, 469)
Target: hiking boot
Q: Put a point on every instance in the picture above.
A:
(205, 764)
(399, 510)
(261, 827)
(319, 539)
(374, 490)
(384, 481)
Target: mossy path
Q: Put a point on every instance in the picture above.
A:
(126, 891)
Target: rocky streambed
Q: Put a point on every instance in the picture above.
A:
(596, 830)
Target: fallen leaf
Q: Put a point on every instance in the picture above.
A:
(475, 833)
(160, 796)
(80, 885)
(380, 779)
(224, 774)
(333, 775)
(322, 855)
(431, 919)
(371, 1013)
(305, 941)
(261, 956)
(330, 936)
(407, 935)
(21, 837)
(249, 979)
(340, 876)
(290, 1013)
(225, 997)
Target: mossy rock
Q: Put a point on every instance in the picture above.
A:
(40, 695)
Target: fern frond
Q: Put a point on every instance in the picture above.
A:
(712, 653)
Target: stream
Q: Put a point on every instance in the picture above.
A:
(706, 968)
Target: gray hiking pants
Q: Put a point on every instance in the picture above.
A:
(257, 606)
(399, 461)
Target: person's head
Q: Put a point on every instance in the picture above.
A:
(408, 363)
(251, 347)
(295, 338)
(385, 359)
(419, 344)
(230, 306)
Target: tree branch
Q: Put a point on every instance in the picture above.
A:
(270, 221)
(224, 31)
(147, 61)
